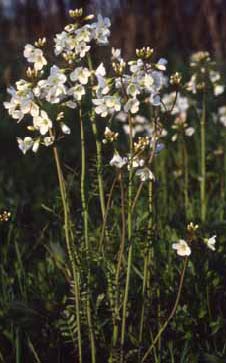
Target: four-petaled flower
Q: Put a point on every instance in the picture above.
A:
(35, 55)
(42, 123)
(182, 248)
(210, 242)
(118, 161)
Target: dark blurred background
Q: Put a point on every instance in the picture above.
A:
(170, 26)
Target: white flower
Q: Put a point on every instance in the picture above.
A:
(118, 161)
(210, 242)
(53, 88)
(132, 90)
(42, 123)
(189, 131)
(65, 129)
(73, 41)
(136, 66)
(161, 65)
(182, 248)
(25, 144)
(174, 137)
(22, 101)
(101, 30)
(83, 34)
(222, 115)
(159, 80)
(148, 82)
(116, 54)
(101, 108)
(61, 42)
(214, 76)
(145, 174)
(81, 49)
(132, 105)
(36, 145)
(77, 92)
(100, 71)
(80, 74)
(35, 55)
(218, 89)
(13, 108)
(102, 87)
(136, 162)
(191, 85)
(107, 105)
(179, 102)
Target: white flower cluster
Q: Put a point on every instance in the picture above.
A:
(138, 81)
(142, 82)
(62, 86)
(138, 164)
(183, 248)
(76, 41)
(204, 72)
(178, 106)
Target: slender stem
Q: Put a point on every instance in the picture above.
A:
(173, 311)
(67, 227)
(129, 261)
(18, 344)
(146, 266)
(86, 236)
(139, 190)
(186, 178)
(120, 257)
(83, 183)
(122, 244)
(224, 194)
(99, 164)
(106, 212)
(98, 147)
(203, 160)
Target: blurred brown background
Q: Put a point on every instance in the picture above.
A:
(173, 27)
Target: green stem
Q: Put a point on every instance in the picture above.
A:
(146, 267)
(98, 147)
(86, 236)
(224, 194)
(67, 228)
(173, 311)
(18, 346)
(99, 164)
(186, 179)
(203, 160)
(103, 231)
(120, 258)
(129, 261)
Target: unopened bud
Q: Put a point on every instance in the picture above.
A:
(40, 42)
(77, 13)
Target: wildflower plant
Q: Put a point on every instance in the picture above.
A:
(131, 95)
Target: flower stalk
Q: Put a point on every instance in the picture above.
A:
(129, 260)
(173, 311)
(86, 237)
(203, 160)
(68, 232)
